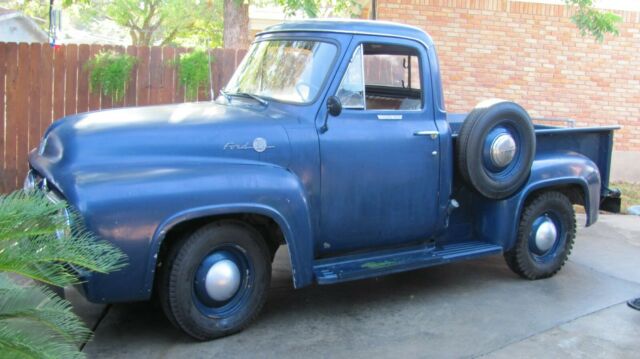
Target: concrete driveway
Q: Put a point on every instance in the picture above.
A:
(469, 309)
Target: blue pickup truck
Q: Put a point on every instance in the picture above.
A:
(331, 138)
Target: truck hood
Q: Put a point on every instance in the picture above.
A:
(192, 132)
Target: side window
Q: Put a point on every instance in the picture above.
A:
(392, 79)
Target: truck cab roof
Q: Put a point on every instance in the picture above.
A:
(349, 26)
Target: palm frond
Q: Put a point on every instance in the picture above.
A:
(46, 252)
(40, 307)
(34, 322)
(21, 343)
(24, 214)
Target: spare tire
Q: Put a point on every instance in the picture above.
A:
(495, 148)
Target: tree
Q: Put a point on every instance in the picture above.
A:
(594, 22)
(194, 22)
(236, 24)
(236, 15)
(161, 22)
(37, 242)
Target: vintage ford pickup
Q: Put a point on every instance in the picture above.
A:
(332, 138)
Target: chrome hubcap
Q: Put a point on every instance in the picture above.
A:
(503, 150)
(223, 280)
(546, 235)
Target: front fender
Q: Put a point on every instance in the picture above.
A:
(498, 221)
(133, 205)
(292, 219)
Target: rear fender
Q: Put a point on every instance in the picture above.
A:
(498, 221)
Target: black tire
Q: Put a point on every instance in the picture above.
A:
(177, 286)
(522, 258)
(473, 163)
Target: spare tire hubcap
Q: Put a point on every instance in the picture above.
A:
(503, 150)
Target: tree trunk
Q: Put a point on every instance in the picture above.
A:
(236, 25)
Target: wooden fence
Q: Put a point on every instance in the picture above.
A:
(39, 84)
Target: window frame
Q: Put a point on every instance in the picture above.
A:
(291, 37)
(418, 56)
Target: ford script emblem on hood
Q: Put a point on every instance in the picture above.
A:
(259, 145)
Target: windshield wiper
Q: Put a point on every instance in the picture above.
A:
(228, 96)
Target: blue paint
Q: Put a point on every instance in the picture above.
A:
(365, 186)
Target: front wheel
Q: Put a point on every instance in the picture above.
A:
(545, 237)
(216, 280)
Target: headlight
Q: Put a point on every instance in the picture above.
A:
(65, 230)
(29, 182)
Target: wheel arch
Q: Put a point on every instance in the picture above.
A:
(275, 229)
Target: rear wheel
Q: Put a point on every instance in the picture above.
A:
(545, 237)
(216, 280)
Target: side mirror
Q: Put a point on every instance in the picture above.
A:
(334, 108)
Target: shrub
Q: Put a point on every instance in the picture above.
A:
(109, 72)
(193, 70)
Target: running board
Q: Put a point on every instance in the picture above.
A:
(346, 268)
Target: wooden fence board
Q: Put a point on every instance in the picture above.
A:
(168, 58)
(45, 87)
(94, 94)
(130, 95)
(22, 88)
(3, 59)
(143, 76)
(71, 78)
(155, 73)
(34, 96)
(58, 82)
(179, 88)
(228, 65)
(12, 108)
(82, 104)
(216, 68)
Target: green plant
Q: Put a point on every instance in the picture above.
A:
(34, 322)
(193, 70)
(594, 22)
(110, 73)
(630, 194)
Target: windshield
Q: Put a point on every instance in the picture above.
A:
(285, 70)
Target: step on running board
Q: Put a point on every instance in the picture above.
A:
(342, 269)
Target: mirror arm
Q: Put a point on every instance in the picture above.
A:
(325, 126)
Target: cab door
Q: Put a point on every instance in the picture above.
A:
(380, 156)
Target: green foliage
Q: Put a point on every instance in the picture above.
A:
(593, 22)
(193, 70)
(163, 22)
(319, 8)
(110, 73)
(34, 322)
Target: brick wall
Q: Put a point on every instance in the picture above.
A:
(533, 54)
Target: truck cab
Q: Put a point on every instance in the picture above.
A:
(331, 138)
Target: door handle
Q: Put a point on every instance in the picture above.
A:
(432, 134)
